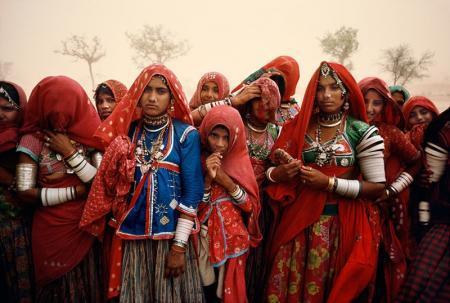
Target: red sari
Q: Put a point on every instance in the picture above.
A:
(398, 152)
(298, 208)
(59, 103)
(232, 228)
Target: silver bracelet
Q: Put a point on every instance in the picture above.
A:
(26, 174)
(269, 174)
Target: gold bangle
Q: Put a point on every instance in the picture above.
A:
(330, 186)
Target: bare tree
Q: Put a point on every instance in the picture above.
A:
(154, 44)
(78, 47)
(341, 44)
(403, 67)
(5, 68)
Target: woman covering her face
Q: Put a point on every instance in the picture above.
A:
(284, 70)
(16, 273)
(328, 230)
(53, 173)
(402, 162)
(230, 206)
(150, 183)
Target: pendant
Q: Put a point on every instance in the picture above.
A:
(164, 220)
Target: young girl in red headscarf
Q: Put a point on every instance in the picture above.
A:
(385, 114)
(16, 272)
(230, 206)
(107, 95)
(212, 86)
(325, 244)
(53, 172)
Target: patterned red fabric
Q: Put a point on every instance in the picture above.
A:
(127, 111)
(355, 258)
(428, 279)
(9, 132)
(60, 103)
(219, 79)
(118, 89)
(58, 244)
(392, 113)
(417, 101)
(289, 69)
(236, 163)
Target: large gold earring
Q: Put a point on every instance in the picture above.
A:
(172, 108)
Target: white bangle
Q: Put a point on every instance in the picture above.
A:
(55, 196)
(184, 229)
(402, 182)
(424, 212)
(269, 174)
(348, 188)
(84, 170)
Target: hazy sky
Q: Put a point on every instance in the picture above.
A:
(234, 37)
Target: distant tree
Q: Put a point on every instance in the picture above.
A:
(5, 68)
(400, 63)
(154, 44)
(78, 47)
(341, 45)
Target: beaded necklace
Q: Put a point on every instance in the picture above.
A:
(325, 151)
(147, 156)
(257, 151)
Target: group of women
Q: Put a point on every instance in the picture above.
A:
(241, 196)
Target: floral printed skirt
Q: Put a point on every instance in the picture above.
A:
(303, 269)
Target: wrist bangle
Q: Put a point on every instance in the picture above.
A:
(331, 182)
(269, 174)
(388, 193)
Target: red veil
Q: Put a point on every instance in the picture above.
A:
(127, 111)
(299, 206)
(236, 162)
(58, 244)
(219, 79)
(392, 113)
(418, 101)
(289, 69)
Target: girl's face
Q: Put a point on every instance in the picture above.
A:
(209, 93)
(218, 140)
(329, 95)
(419, 115)
(156, 98)
(374, 104)
(8, 113)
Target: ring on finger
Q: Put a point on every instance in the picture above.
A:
(47, 139)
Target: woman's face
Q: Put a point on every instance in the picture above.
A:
(420, 114)
(218, 140)
(259, 112)
(105, 105)
(329, 95)
(209, 93)
(399, 98)
(374, 104)
(156, 98)
(8, 113)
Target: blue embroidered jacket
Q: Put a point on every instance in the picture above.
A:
(174, 184)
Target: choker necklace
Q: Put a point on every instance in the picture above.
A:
(155, 121)
(330, 117)
(328, 125)
(256, 130)
(154, 130)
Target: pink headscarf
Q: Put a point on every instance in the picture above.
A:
(219, 79)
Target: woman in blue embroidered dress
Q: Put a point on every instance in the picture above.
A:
(151, 182)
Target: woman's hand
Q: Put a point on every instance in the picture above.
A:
(313, 178)
(286, 172)
(213, 163)
(58, 142)
(175, 264)
(248, 93)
